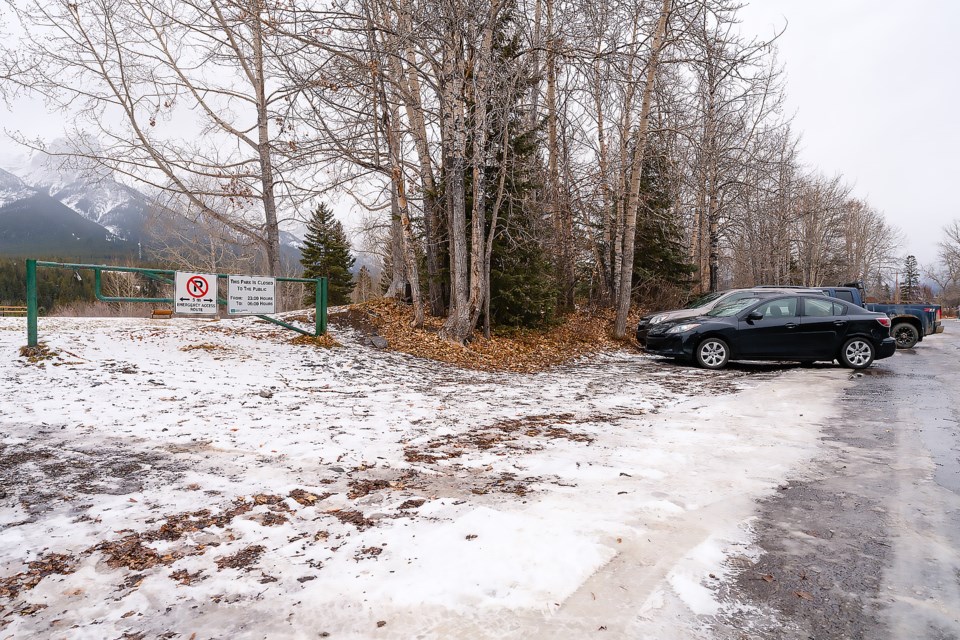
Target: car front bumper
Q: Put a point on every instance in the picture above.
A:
(671, 346)
(642, 329)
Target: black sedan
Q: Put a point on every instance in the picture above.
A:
(803, 328)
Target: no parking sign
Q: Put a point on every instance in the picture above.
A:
(195, 293)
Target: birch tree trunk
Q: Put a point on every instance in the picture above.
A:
(453, 119)
(264, 145)
(636, 168)
(415, 116)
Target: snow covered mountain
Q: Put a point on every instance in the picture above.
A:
(62, 215)
(41, 196)
(91, 192)
(13, 188)
(38, 226)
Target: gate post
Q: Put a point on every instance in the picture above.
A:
(31, 303)
(320, 306)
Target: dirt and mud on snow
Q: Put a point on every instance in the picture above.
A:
(186, 478)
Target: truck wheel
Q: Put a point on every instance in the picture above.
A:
(712, 353)
(857, 353)
(905, 334)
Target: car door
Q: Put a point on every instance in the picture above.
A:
(823, 325)
(775, 334)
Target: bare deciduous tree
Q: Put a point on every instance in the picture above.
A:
(181, 95)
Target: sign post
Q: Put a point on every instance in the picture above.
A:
(31, 303)
(251, 295)
(195, 293)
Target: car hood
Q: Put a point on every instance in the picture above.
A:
(669, 316)
(664, 326)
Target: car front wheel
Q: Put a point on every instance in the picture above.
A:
(857, 353)
(712, 353)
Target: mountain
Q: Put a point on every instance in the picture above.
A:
(90, 191)
(118, 213)
(39, 226)
(12, 188)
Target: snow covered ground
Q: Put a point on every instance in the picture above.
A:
(196, 479)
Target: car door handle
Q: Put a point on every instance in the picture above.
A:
(839, 323)
(791, 325)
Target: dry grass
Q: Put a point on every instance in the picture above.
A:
(203, 347)
(324, 341)
(90, 309)
(38, 353)
(522, 351)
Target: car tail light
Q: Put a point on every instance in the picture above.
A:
(885, 321)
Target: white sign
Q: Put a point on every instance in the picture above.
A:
(251, 294)
(195, 293)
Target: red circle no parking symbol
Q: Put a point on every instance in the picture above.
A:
(197, 287)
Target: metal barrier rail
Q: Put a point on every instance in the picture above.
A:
(166, 276)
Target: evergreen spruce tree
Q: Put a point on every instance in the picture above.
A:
(661, 262)
(523, 290)
(326, 254)
(910, 289)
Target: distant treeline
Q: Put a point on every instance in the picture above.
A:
(55, 287)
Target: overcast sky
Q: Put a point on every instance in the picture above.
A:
(875, 91)
(875, 88)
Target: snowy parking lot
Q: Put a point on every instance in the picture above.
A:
(194, 479)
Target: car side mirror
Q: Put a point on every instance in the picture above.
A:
(755, 315)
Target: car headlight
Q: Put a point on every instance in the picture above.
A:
(683, 328)
(656, 319)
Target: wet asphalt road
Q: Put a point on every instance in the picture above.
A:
(867, 543)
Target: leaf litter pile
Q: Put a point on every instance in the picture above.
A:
(519, 351)
(503, 437)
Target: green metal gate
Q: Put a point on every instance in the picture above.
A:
(165, 276)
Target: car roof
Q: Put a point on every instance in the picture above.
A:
(771, 291)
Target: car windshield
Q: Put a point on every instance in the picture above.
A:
(732, 308)
(703, 300)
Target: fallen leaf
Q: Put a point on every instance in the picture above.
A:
(803, 594)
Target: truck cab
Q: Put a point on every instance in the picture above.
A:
(910, 323)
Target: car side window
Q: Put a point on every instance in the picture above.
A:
(845, 295)
(839, 309)
(779, 308)
(816, 308)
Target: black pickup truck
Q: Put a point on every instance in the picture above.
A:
(910, 322)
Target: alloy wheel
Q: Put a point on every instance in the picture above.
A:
(713, 353)
(858, 353)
